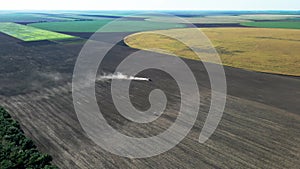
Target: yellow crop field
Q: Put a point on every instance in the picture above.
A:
(258, 49)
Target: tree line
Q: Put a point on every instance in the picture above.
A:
(17, 151)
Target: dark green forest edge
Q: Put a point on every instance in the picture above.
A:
(17, 151)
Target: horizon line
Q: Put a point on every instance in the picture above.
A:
(149, 10)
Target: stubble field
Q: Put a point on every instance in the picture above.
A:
(258, 49)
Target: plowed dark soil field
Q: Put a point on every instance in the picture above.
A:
(259, 129)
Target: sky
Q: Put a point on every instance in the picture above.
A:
(150, 5)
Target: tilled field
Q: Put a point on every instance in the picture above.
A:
(259, 129)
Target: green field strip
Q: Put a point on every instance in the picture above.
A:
(286, 25)
(28, 33)
(115, 26)
(72, 26)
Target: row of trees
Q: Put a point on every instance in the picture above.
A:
(17, 151)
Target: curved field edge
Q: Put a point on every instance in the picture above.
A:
(106, 26)
(285, 25)
(16, 150)
(257, 49)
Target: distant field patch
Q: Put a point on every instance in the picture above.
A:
(27, 18)
(28, 33)
(136, 26)
(201, 19)
(287, 25)
(222, 18)
(85, 17)
(14, 17)
(116, 26)
(258, 49)
(72, 26)
(269, 17)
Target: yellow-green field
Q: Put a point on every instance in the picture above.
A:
(28, 33)
(258, 49)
